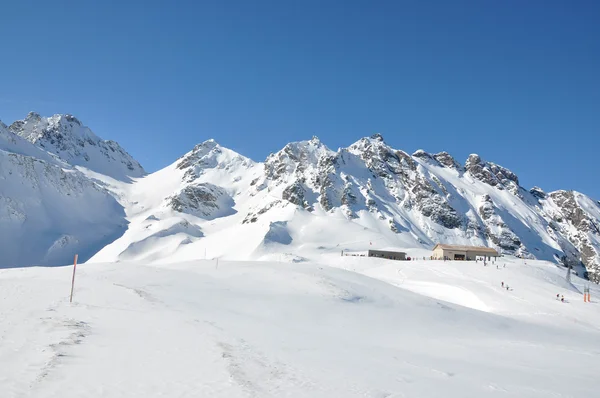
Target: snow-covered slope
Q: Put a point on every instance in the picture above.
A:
(260, 329)
(69, 139)
(48, 210)
(176, 207)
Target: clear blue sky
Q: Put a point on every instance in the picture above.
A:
(517, 82)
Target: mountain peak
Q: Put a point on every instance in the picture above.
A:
(419, 153)
(66, 137)
(210, 155)
(65, 118)
(492, 174)
(473, 159)
(33, 116)
(446, 160)
(538, 192)
(206, 145)
(57, 127)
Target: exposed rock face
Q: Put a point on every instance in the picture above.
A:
(446, 160)
(583, 231)
(252, 217)
(492, 174)
(433, 205)
(199, 156)
(295, 194)
(538, 192)
(202, 200)
(498, 232)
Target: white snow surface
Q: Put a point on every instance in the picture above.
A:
(337, 327)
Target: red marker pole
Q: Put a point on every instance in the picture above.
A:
(73, 281)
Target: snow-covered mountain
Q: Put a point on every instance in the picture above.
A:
(70, 140)
(48, 210)
(306, 199)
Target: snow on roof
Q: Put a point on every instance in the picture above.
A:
(467, 248)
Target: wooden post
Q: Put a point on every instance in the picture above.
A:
(73, 281)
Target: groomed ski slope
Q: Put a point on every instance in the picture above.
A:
(359, 327)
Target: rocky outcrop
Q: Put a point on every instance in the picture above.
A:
(497, 231)
(295, 194)
(446, 160)
(492, 174)
(538, 192)
(201, 200)
(252, 217)
(583, 231)
(431, 204)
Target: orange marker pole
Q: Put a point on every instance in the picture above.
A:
(73, 281)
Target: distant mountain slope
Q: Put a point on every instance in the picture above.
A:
(66, 137)
(48, 210)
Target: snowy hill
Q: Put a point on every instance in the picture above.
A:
(76, 144)
(264, 329)
(49, 211)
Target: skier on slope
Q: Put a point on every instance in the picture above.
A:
(502, 283)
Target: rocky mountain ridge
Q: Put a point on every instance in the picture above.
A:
(404, 200)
